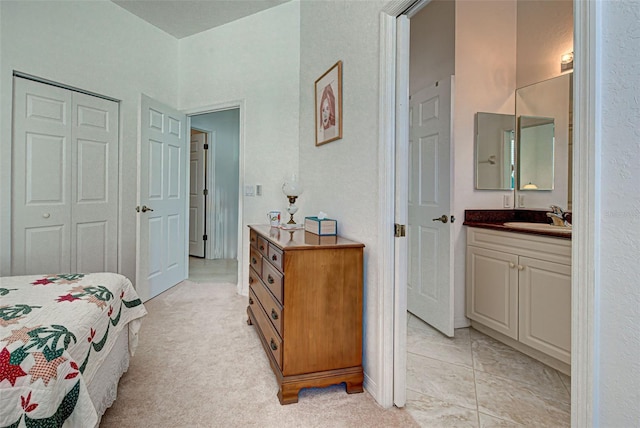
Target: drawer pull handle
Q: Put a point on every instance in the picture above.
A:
(274, 314)
(250, 301)
(253, 260)
(270, 279)
(274, 258)
(273, 345)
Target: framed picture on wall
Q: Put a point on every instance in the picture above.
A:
(328, 106)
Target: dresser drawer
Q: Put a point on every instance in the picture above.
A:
(255, 260)
(273, 342)
(269, 304)
(273, 280)
(253, 238)
(276, 257)
(263, 246)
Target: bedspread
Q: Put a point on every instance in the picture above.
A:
(55, 331)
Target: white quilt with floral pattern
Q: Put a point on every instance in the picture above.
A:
(55, 331)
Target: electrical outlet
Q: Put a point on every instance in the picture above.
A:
(506, 201)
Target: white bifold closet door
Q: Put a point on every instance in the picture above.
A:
(65, 181)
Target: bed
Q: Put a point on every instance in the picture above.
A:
(65, 340)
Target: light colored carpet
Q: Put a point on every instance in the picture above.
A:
(200, 365)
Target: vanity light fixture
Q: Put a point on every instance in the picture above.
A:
(566, 62)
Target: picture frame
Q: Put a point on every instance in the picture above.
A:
(328, 105)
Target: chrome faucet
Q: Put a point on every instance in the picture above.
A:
(558, 216)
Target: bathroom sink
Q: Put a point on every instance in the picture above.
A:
(543, 227)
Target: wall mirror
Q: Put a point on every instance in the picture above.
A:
(544, 151)
(533, 159)
(535, 153)
(495, 151)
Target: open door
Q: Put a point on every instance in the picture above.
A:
(162, 194)
(430, 235)
(198, 194)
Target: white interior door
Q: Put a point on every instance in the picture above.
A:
(197, 195)
(162, 186)
(65, 181)
(430, 282)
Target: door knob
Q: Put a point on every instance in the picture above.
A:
(443, 218)
(144, 209)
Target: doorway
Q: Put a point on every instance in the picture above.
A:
(214, 208)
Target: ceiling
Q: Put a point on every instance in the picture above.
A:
(183, 18)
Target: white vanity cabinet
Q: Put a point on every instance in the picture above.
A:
(519, 286)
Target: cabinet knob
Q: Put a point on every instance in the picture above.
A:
(274, 258)
(512, 265)
(270, 279)
(274, 346)
(253, 260)
(520, 267)
(250, 280)
(274, 314)
(250, 301)
(261, 247)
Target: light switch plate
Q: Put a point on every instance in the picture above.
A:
(249, 190)
(506, 201)
(520, 201)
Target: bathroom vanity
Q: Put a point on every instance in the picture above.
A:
(518, 284)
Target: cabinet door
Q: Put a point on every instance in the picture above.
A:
(492, 289)
(545, 307)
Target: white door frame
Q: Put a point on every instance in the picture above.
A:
(587, 35)
(229, 105)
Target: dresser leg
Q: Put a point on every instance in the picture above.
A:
(288, 395)
(354, 387)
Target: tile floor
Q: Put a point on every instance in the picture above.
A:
(220, 270)
(472, 380)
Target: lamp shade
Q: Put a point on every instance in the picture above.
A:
(292, 185)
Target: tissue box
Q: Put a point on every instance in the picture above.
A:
(324, 227)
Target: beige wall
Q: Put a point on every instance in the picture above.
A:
(545, 33)
(432, 55)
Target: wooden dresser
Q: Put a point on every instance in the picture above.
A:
(305, 298)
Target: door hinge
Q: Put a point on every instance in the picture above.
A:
(204, 237)
(206, 146)
(205, 192)
(399, 230)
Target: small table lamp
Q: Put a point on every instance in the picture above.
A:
(292, 188)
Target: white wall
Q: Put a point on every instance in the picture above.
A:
(224, 152)
(342, 176)
(485, 70)
(618, 271)
(254, 60)
(95, 46)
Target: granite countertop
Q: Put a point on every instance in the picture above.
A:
(496, 219)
